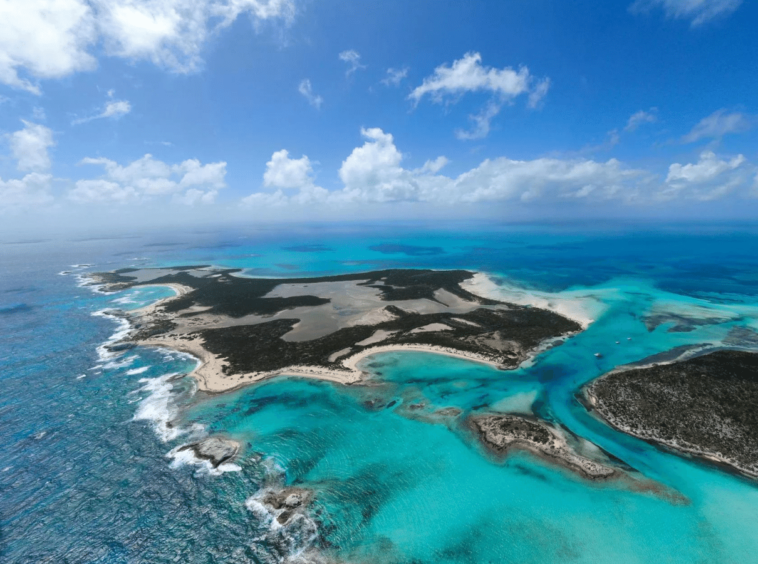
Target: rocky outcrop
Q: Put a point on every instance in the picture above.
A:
(502, 433)
(214, 449)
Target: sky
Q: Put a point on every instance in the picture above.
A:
(171, 111)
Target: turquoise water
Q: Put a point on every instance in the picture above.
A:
(88, 479)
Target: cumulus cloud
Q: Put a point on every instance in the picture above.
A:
(373, 173)
(113, 109)
(708, 179)
(29, 191)
(469, 75)
(284, 172)
(147, 178)
(29, 147)
(640, 118)
(353, 60)
(395, 76)
(306, 90)
(45, 39)
(720, 123)
(450, 83)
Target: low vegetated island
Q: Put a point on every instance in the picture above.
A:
(705, 406)
(247, 329)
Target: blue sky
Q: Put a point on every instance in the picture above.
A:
(267, 109)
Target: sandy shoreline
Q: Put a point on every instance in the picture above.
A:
(580, 306)
(211, 378)
(210, 375)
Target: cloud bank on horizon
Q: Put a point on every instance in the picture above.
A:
(481, 126)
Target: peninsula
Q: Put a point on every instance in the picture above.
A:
(244, 329)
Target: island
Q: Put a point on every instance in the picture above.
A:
(245, 329)
(504, 433)
(704, 406)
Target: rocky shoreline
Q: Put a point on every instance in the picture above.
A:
(504, 433)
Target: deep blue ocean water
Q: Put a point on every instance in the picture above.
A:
(85, 468)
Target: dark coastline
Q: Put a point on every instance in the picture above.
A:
(703, 407)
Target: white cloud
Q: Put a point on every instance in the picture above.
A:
(640, 118)
(189, 182)
(708, 179)
(172, 33)
(31, 190)
(433, 166)
(353, 60)
(468, 75)
(44, 39)
(114, 109)
(395, 76)
(306, 90)
(449, 83)
(101, 190)
(194, 196)
(482, 120)
(697, 11)
(284, 172)
(549, 178)
(720, 123)
(373, 173)
(260, 200)
(29, 146)
(538, 93)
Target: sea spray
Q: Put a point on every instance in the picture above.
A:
(122, 330)
(122, 363)
(181, 456)
(159, 407)
(286, 531)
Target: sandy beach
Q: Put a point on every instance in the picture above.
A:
(211, 378)
(211, 371)
(581, 307)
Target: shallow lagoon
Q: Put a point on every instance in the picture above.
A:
(394, 484)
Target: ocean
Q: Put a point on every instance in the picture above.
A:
(89, 464)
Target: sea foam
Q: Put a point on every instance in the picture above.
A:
(159, 407)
